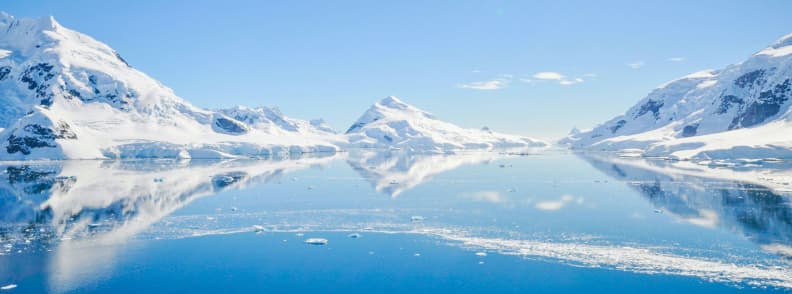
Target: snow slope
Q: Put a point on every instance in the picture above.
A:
(66, 95)
(392, 123)
(742, 111)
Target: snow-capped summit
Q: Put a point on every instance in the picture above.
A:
(742, 110)
(66, 95)
(392, 123)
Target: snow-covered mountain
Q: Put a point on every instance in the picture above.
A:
(392, 123)
(66, 95)
(742, 110)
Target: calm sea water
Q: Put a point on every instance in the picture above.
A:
(397, 222)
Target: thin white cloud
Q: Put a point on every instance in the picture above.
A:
(636, 65)
(554, 76)
(570, 82)
(677, 59)
(548, 75)
(494, 84)
(475, 71)
(590, 75)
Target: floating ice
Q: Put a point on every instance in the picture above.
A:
(315, 241)
(257, 228)
(416, 218)
(481, 253)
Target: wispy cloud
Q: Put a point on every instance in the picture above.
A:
(677, 59)
(636, 65)
(498, 82)
(548, 75)
(554, 76)
(570, 82)
(494, 84)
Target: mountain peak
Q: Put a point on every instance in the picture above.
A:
(392, 123)
(392, 102)
(47, 23)
(783, 41)
(781, 47)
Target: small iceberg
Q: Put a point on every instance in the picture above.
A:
(315, 241)
(416, 218)
(354, 235)
(481, 254)
(258, 229)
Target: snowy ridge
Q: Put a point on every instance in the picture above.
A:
(740, 111)
(395, 124)
(68, 96)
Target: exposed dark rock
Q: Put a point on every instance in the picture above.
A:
(39, 137)
(690, 130)
(36, 78)
(727, 101)
(121, 59)
(619, 125)
(750, 78)
(230, 126)
(651, 105)
(767, 105)
(4, 71)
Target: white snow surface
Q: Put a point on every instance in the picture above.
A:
(741, 111)
(68, 96)
(64, 95)
(392, 123)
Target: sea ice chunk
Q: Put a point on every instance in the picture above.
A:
(315, 241)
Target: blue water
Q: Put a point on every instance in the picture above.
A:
(553, 222)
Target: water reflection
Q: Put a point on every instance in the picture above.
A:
(393, 172)
(83, 211)
(86, 212)
(749, 199)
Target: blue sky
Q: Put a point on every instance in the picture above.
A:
(474, 63)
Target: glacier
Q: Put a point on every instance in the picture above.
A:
(741, 111)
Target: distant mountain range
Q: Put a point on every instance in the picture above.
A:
(68, 96)
(741, 111)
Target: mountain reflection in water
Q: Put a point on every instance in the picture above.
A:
(87, 212)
